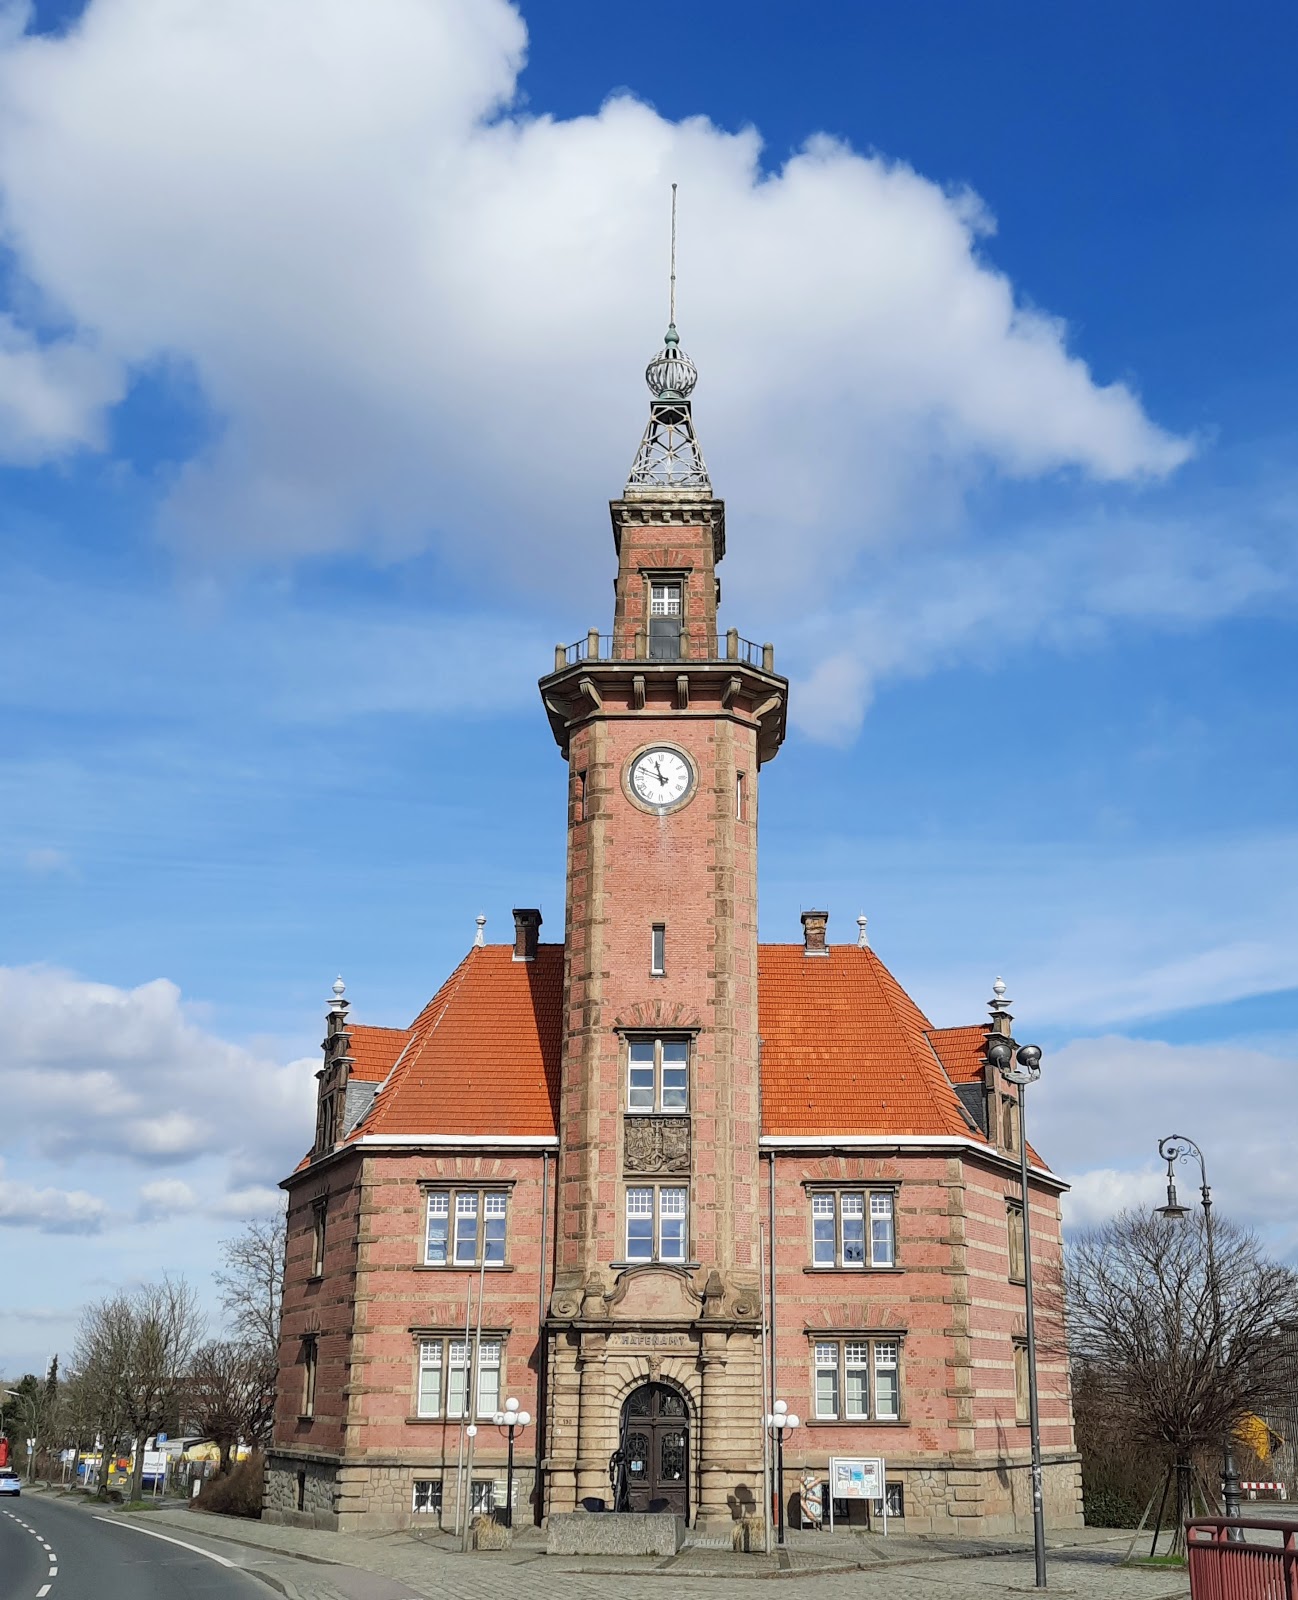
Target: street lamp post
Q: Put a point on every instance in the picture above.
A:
(512, 1418)
(780, 1422)
(1176, 1147)
(1021, 1065)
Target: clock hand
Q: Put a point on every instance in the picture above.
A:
(659, 771)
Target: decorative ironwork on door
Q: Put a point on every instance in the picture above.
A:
(652, 1461)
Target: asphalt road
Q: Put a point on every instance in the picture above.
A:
(56, 1550)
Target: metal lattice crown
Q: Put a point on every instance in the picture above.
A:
(671, 375)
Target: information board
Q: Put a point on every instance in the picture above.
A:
(856, 1477)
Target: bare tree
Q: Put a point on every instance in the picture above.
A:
(230, 1394)
(1155, 1364)
(252, 1284)
(134, 1353)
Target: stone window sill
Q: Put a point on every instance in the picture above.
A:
(462, 1266)
(682, 1266)
(850, 1272)
(446, 1422)
(305, 1420)
(856, 1422)
(315, 1277)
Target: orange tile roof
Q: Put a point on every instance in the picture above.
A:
(960, 1050)
(375, 1050)
(844, 1049)
(483, 1055)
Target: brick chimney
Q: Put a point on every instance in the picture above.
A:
(527, 930)
(814, 924)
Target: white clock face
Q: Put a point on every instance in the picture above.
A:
(662, 777)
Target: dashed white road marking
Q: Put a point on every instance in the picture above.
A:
(42, 1591)
(44, 1544)
(150, 1533)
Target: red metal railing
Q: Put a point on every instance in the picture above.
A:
(1222, 1568)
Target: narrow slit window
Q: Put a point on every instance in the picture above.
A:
(739, 796)
(579, 799)
(658, 950)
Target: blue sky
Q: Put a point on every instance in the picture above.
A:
(320, 355)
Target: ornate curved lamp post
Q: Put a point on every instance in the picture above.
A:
(1177, 1147)
(513, 1419)
(1021, 1065)
(780, 1421)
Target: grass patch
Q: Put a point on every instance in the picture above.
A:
(1155, 1561)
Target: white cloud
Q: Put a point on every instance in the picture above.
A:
(24, 1205)
(1103, 1104)
(419, 317)
(126, 1072)
(165, 1198)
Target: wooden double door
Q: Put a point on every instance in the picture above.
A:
(655, 1446)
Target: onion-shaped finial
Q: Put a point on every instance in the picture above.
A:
(671, 375)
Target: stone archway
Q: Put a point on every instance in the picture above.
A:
(654, 1451)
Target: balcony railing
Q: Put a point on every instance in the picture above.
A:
(640, 646)
(1236, 1560)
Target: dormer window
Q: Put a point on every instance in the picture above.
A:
(665, 614)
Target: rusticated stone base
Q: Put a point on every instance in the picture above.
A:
(981, 1499)
(349, 1497)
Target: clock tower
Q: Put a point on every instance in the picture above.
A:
(653, 1358)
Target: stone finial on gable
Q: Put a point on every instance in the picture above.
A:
(480, 938)
(862, 937)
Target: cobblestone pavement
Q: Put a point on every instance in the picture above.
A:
(305, 1565)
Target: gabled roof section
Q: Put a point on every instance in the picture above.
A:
(960, 1050)
(483, 1054)
(844, 1049)
(375, 1051)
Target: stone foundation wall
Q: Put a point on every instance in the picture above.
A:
(988, 1500)
(352, 1497)
(300, 1493)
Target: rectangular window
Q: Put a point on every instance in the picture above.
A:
(482, 1497)
(838, 1231)
(658, 1073)
(1021, 1408)
(1014, 1224)
(739, 796)
(579, 799)
(826, 1380)
(1010, 1123)
(457, 1378)
(444, 1368)
(319, 1215)
(310, 1357)
(429, 1400)
(466, 1229)
(489, 1378)
(658, 950)
(887, 1381)
(664, 621)
(480, 1221)
(857, 1379)
(428, 1497)
(657, 1223)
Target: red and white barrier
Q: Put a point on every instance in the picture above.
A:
(1277, 1491)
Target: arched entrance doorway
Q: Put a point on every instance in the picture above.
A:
(654, 1444)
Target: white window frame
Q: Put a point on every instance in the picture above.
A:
(864, 1206)
(661, 1204)
(846, 1379)
(673, 591)
(647, 1086)
(658, 951)
(489, 1208)
(431, 1498)
(453, 1361)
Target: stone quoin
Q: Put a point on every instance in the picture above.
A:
(651, 1179)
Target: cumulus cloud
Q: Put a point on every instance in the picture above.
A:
(417, 312)
(1103, 1104)
(24, 1205)
(127, 1072)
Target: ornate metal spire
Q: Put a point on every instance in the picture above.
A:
(669, 456)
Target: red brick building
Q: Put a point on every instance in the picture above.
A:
(562, 1181)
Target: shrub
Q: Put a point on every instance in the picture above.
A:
(237, 1493)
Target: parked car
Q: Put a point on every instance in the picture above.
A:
(10, 1482)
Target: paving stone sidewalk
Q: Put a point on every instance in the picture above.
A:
(305, 1565)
